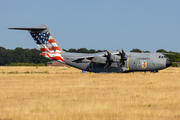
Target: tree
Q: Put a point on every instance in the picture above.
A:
(2, 48)
(20, 55)
(3, 55)
(136, 50)
(64, 50)
(72, 50)
(161, 51)
(139, 51)
(92, 51)
(82, 50)
(99, 51)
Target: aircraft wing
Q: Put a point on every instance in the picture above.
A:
(90, 57)
(81, 57)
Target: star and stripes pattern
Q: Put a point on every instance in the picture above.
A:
(47, 45)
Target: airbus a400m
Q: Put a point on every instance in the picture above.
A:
(117, 61)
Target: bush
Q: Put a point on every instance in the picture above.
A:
(175, 64)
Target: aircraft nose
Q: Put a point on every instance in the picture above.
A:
(168, 63)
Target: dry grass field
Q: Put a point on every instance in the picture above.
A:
(53, 93)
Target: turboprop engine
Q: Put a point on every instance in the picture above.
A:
(103, 60)
(108, 59)
(119, 59)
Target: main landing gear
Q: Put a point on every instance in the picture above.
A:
(154, 71)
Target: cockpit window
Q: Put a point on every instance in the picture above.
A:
(162, 56)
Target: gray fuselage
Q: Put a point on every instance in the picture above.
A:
(134, 62)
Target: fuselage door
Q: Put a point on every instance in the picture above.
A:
(132, 63)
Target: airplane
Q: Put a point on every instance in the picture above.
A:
(102, 62)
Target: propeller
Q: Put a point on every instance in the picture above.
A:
(123, 58)
(108, 61)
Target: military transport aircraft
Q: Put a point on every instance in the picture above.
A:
(117, 61)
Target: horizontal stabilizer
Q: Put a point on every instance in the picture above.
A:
(33, 29)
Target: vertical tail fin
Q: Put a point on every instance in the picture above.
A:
(45, 41)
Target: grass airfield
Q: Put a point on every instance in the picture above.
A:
(43, 93)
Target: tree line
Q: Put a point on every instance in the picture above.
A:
(84, 50)
(20, 55)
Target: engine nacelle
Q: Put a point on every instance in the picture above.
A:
(102, 60)
(99, 59)
(116, 58)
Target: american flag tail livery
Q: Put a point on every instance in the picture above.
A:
(45, 41)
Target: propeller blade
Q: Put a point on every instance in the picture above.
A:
(123, 52)
(123, 58)
(109, 54)
(107, 66)
(108, 61)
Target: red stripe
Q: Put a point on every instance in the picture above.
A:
(43, 54)
(55, 53)
(44, 50)
(51, 41)
(56, 58)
